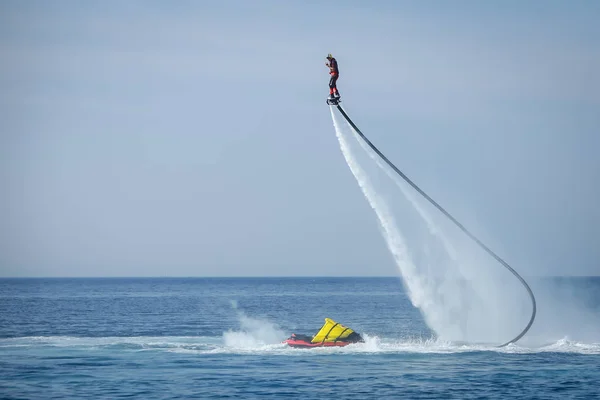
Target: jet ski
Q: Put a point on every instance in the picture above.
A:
(331, 334)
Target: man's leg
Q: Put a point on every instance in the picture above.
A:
(335, 89)
(331, 86)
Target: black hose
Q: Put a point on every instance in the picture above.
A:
(458, 224)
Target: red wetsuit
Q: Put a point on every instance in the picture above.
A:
(335, 73)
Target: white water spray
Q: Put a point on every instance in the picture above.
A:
(433, 228)
(415, 284)
(392, 235)
(253, 332)
(452, 306)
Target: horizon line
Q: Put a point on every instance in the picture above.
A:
(254, 276)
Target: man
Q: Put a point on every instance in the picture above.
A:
(335, 73)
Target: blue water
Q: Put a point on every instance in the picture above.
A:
(220, 338)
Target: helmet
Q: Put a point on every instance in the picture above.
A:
(329, 55)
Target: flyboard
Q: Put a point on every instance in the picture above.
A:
(335, 102)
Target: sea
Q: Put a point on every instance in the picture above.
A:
(213, 338)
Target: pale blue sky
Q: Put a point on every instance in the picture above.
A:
(192, 138)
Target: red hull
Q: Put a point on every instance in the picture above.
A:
(305, 344)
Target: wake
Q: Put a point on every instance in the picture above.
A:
(208, 345)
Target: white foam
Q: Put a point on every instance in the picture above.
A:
(217, 345)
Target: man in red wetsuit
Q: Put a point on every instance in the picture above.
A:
(335, 73)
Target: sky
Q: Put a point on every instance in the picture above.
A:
(192, 138)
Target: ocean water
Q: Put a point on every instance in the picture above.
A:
(169, 338)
